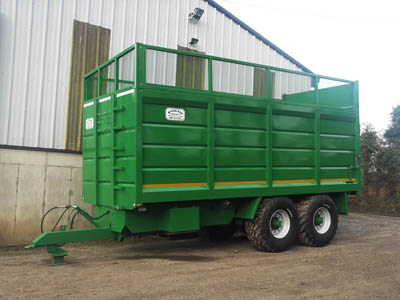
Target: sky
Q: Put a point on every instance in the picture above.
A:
(349, 39)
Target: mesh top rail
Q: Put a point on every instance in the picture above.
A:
(149, 66)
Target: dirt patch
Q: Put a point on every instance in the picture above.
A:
(363, 262)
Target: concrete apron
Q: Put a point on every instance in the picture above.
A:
(31, 182)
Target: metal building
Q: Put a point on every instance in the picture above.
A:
(38, 35)
(46, 47)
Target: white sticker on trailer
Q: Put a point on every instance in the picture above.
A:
(89, 123)
(125, 93)
(175, 114)
(105, 99)
(88, 104)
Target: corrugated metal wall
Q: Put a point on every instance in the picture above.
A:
(35, 52)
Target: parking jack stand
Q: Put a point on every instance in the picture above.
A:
(57, 254)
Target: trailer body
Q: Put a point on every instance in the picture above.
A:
(177, 152)
(176, 141)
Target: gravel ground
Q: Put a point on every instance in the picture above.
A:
(363, 262)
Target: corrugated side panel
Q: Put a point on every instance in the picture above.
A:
(208, 147)
(36, 51)
(174, 152)
(240, 147)
(109, 157)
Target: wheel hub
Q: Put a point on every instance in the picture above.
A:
(276, 223)
(322, 220)
(319, 220)
(279, 224)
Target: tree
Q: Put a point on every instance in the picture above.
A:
(391, 156)
(371, 146)
(392, 134)
(380, 157)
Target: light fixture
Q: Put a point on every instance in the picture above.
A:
(193, 41)
(196, 15)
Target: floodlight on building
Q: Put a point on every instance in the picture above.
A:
(196, 15)
(193, 41)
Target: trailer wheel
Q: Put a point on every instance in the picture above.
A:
(275, 226)
(318, 220)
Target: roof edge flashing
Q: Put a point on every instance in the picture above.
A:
(257, 35)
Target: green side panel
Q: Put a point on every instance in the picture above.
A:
(89, 191)
(157, 134)
(88, 168)
(336, 97)
(247, 209)
(125, 143)
(240, 119)
(181, 219)
(337, 142)
(234, 137)
(109, 150)
(159, 218)
(105, 191)
(292, 123)
(292, 158)
(105, 144)
(339, 127)
(239, 147)
(174, 175)
(330, 158)
(293, 173)
(139, 222)
(338, 148)
(292, 140)
(240, 174)
(336, 172)
(89, 149)
(155, 114)
(239, 157)
(125, 110)
(301, 98)
(104, 166)
(216, 213)
(170, 217)
(174, 156)
(341, 201)
(125, 170)
(174, 151)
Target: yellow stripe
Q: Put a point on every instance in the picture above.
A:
(240, 182)
(293, 181)
(338, 179)
(174, 185)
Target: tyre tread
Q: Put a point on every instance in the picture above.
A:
(306, 234)
(254, 228)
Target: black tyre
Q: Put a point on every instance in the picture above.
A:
(318, 220)
(220, 233)
(275, 226)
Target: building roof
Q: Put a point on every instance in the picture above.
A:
(258, 35)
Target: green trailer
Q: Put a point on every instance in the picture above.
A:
(176, 141)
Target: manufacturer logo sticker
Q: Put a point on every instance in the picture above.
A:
(175, 114)
(89, 123)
